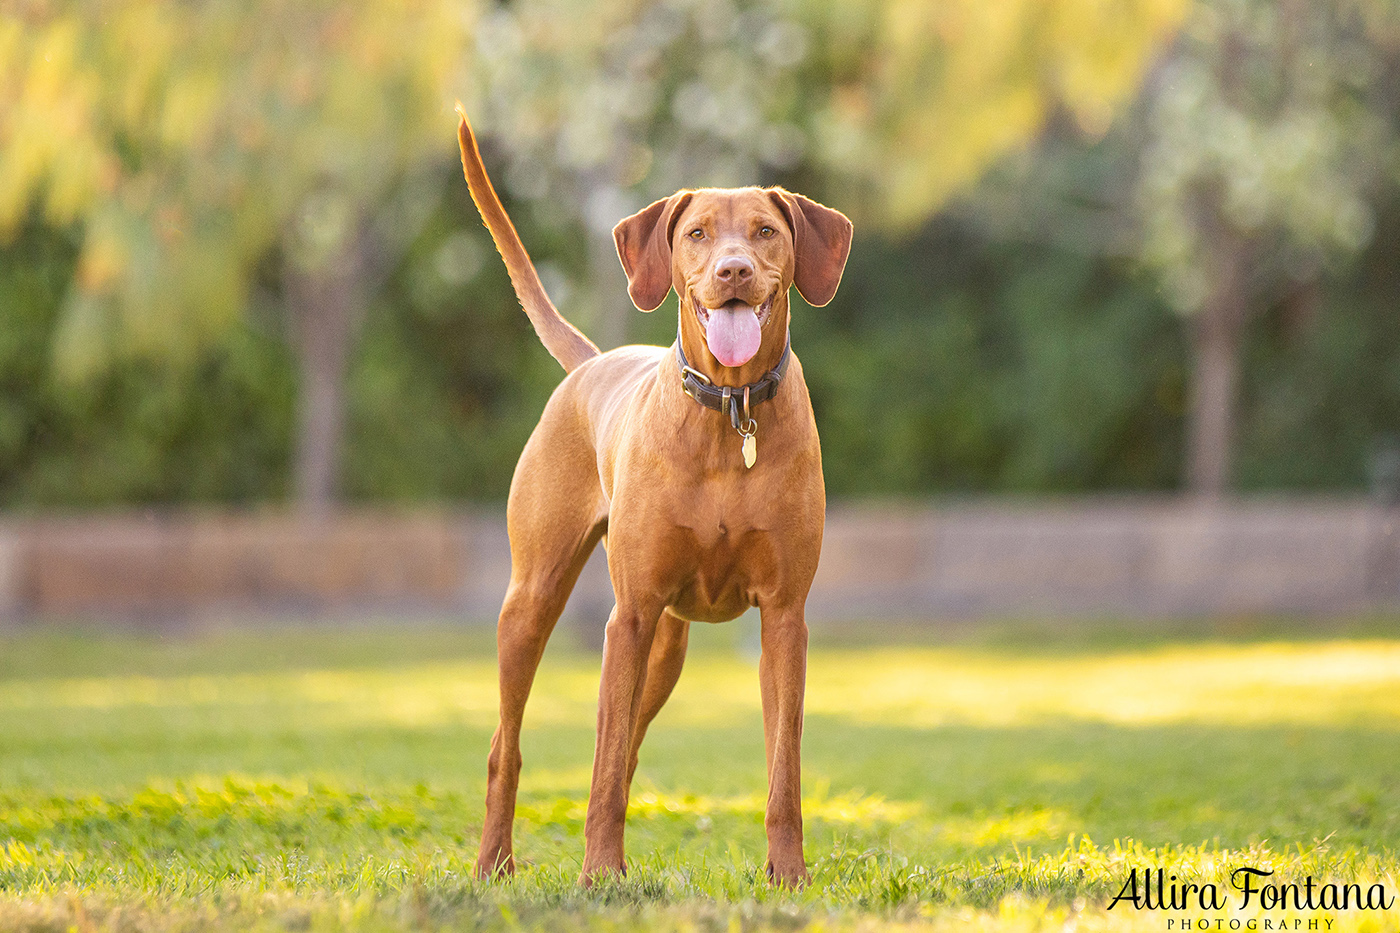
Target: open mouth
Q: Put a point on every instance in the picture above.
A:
(734, 330)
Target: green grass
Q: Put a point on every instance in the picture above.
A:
(331, 779)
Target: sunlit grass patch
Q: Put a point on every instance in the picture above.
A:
(333, 780)
(852, 889)
(1328, 682)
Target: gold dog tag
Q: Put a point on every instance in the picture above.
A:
(750, 451)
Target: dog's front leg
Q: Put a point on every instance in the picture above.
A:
(625, 650)
(782, 676)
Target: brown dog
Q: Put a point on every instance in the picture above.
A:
(700, 464)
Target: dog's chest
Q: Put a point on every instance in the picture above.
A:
(720, 568)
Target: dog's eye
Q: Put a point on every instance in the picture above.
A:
(766, 232)
(697, 234)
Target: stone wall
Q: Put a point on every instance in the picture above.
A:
(1138, 558)
(1128, 558)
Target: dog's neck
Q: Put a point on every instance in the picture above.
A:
(770, 351)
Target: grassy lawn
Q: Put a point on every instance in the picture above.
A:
(331, 779)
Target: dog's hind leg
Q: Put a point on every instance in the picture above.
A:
(555, 521)
(664, 664)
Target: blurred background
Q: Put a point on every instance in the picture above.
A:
(1118, 331)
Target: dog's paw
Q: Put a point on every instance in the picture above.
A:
(493, 865)
(596, 873)
(787, 873)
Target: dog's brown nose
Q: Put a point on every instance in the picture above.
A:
(733, 269)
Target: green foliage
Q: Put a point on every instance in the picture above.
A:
(924, 98)
(185, 142)
(958, 364)
(212, 429)
(281, 779)
(1323, 390)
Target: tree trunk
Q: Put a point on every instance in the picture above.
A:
(325, 303)
(1216, 338)
(1211, 419)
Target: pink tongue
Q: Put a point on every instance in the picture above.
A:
(733, 336)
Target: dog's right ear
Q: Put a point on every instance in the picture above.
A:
(644, 246)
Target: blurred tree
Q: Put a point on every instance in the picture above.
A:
(172, 169)
(921, 99)
(887, 109)
(1267, 134)
(195, 144)
(597, 108)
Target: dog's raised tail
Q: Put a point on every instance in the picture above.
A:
(563, 340)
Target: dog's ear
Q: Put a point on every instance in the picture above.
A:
(644, 246)
(821, 241)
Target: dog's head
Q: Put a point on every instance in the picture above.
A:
(731, 254)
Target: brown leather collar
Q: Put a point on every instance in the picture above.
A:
(735, 401)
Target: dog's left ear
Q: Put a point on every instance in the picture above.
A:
(644, 246)
(821, 239)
